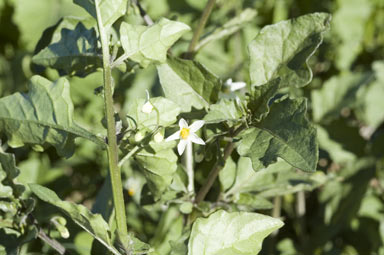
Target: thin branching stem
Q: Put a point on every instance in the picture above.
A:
(200, 27)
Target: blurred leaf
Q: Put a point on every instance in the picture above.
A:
(188, 83)
(144, 44)
(349, 25)
(227, 175)
(92, 223)
(284, 133)
(160, 164)
(283, 49)
(335, 149)
(224, 110)
(43, 116)
(337, 93)
(231, 233)
(168, 112)
(231, 27)
(255, 202)
(76, 53)
(110, 10)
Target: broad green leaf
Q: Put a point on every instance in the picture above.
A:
(8, 172)
(189, 84)
(160, 164)
(145, 45)
(349, 24)
(43, 116)
(284, 133)
(76, 52)
(94, 224)
(231, 27)
(254, 202)
(167, 115)
(259, 98)
(110, 10)
(224, 110)
(337, 93)
(32, 17)
(283, 49)
(223, 233)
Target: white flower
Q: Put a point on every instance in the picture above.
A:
(147, 107)
(233, 86)
(186, 134)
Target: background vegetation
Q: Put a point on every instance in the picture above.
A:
(337, 210)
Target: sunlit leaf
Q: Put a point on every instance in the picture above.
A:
(150, 44)
(224, 110)
(43, 116)
(283, 49)
(189, 84)
(231, 233)
(110, 10)
(284, 133)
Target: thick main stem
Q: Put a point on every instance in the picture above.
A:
(196, 35)
(189, 167)
(112, 149)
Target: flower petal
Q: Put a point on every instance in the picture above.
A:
(195, 139)
(183, 123)
(181, 146)
(237, 85)
(174, 136)
(196, 125)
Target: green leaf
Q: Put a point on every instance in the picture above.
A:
(227, 175)
(76, 52)
(231, 233)
(224, 110)
(349, 25)
(110, 10)
(283, 49)
(189, 84)
(8, 172)
(94, 224)
(160, 164)
(284, 133)
(43, 116)
(337, 93)
(253, 201)
(231, 27)
(144, 44)
(167, 115)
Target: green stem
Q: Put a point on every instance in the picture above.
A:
(196, 35)
(189, 167)
(112, 149)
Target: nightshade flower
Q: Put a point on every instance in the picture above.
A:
(233, 86)
(186, 134)
(147, 107)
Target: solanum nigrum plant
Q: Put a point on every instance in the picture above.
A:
(208, 150)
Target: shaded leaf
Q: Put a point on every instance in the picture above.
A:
(43, 116)
(160, 164)
(284, 133)
(94, 224)
(110, 10)
(76, 52)
(224, 110)
(283, 49)
(188, 83)
(231, 233)
(144, 44)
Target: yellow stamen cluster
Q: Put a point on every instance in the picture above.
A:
(184, 133)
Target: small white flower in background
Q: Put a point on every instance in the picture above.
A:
(159, 136)
(147, 107)
(186, 134)
(233, 86)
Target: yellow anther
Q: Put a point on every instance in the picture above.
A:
(184, 133)
(131, 192)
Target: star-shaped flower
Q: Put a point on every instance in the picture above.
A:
(186, 134)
